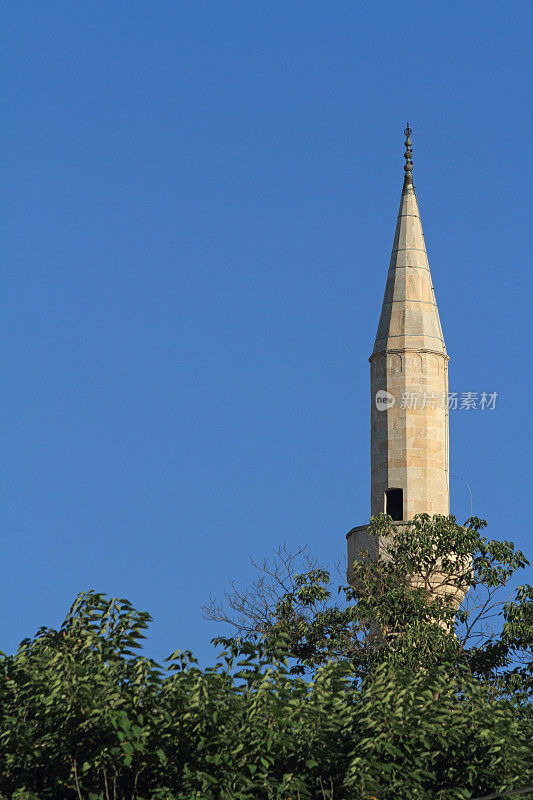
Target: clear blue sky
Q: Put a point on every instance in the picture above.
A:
(198, 208)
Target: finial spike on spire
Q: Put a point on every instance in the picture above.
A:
(408, 158)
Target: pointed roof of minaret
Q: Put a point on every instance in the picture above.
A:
(409, 315)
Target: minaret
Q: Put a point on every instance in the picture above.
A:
(409, 381)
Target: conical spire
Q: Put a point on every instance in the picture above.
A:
(409, 316)
(409, 385)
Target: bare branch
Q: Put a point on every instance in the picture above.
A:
(253, 610)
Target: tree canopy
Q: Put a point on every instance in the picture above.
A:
(439, 711)
(403, 608)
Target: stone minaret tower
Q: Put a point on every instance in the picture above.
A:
(409, 382)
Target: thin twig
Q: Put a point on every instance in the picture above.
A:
(74, 764)
(106, 785)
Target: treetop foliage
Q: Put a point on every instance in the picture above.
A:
(442, 594)
(406, 702)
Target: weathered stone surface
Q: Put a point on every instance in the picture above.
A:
(409, 438)
(409, 368)
(409, 444)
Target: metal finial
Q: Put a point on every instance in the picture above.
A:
(408, 156)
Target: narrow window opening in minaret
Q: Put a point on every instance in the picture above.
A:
(394, 503)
